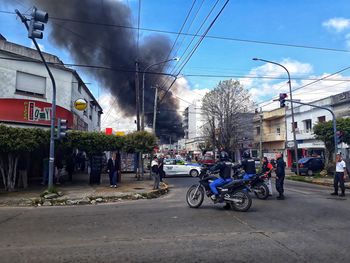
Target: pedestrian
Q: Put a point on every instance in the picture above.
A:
(112, 169)
(339, 178)
(70, 166)
(266, 169)
(280, 174)
(59, 168)
(155, 171)
(161, 168)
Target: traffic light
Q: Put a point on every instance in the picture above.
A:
(62, 127)
(282, 99)
(339, 137)
(36, 25)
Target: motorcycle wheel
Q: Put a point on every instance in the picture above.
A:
(192, 200)
(261, 191)
(244, 204)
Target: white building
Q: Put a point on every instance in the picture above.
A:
(306, 117)
(193, 123)
(26, 91)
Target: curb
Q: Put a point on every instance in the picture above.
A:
(90, 200)
(315, 182)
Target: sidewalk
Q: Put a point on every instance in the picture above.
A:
(80, 192)
(326, 180)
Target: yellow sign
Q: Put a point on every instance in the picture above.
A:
(80, 104)
(120, 133)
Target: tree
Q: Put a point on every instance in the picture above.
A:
(13, 143)
(93, 143)
(139, 141)
(223, 108)
(324, 132)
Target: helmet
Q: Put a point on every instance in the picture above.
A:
(246, 154)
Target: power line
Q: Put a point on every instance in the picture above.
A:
(195, 48)
(197, 35)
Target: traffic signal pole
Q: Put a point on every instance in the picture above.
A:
(334, 121)
(53, 105)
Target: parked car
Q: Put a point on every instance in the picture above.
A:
(309, 165)
(207, 160)
(173, 168)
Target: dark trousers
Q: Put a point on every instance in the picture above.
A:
(279, 184)
(339, 179)
(161, 175)
(113, 178)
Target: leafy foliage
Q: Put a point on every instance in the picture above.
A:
(324, 132)
(140, 141)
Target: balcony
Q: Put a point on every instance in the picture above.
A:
(274, 114)
(274, 137)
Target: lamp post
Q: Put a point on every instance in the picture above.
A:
(143, 88)
(291, 106)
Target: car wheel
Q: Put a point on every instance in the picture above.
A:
(310, 172)
(194, 173)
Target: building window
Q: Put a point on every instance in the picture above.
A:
(257, 130)
(278, 130)
(307, 125)
(99, 120)
(91, 110)
(29, 84)
(295, 125)
(321, 119)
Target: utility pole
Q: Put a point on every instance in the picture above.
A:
(39, 18)
(137, 92)
(155, 109)
(261, 136)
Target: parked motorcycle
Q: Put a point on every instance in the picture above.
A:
(234, 194)
(256, 183)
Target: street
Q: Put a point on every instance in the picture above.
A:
(309, 226)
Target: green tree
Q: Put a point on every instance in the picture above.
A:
(13, 143)
(92, 143)
(324, 132)
(139, 141)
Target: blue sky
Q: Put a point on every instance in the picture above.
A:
(321, 23)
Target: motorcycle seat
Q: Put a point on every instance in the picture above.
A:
(233, 183)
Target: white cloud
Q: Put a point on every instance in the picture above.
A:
(337, 23)
(42, 48)
(113, 117)
(261, 89)
(347, 40)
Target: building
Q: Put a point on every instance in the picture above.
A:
(270, 129)
(26, 91)
(193, 125)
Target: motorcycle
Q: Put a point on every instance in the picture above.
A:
(234, 193)
(256, 183)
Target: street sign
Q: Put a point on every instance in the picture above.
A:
(80, 104)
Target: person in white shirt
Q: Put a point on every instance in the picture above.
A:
(155, 171)
(339, 178)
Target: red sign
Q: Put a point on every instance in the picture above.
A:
(31, 111)
(109, 131)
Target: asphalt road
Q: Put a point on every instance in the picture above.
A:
(309, 226)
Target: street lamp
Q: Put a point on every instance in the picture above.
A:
(291, 106)
(143, 88)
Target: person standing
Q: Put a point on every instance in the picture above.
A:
(161, 168)
(339, 178)
(266, 169)
(155, 171)
(280, 175)
(112, 169)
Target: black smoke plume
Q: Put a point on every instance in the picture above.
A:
(116, 48)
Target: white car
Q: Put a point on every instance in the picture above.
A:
(182, 169)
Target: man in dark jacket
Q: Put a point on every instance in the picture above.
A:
(224, 169)
(280, 174)
(112, 167)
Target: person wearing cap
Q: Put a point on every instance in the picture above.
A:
(339, 178)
